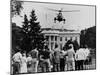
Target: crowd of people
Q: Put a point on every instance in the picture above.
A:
(46, 60)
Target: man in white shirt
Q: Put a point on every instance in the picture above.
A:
(16, 62)
(87, 54)
(80, 57)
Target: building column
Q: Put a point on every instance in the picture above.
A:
(50, 42)
(54, 42)
(58, 41)
(78, 39)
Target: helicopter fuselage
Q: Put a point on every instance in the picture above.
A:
(59, 17)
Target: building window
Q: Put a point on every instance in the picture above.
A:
(61, 46)
(55, 38)
(55, 45)
(52, 38)
(60, 38)
(65, 38)
(70, 38)
(47, 38)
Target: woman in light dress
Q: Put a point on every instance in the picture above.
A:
(70, 61)
(23, 68)
(29, 64)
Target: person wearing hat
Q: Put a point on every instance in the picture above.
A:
(80, 56)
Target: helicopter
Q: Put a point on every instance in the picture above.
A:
(59, 16)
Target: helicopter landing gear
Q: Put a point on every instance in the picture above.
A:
(59, 20)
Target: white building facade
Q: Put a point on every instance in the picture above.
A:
(59, 37)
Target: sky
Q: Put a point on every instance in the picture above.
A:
(85, 18)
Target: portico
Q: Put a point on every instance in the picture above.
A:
(60, 37)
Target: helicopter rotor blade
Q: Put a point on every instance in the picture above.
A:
(72, 11)
(63, 10)
(52, 9)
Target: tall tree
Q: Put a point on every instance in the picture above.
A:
(88, 37)
(91, 37)
(76, 45)
(26, 39)
(66, 46)
(25, 24)
(35, 32)
(17, 36)
(32, 33)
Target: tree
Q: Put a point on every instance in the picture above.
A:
(25, 25)
(25, 44)
(35, 32)
(66, 46)
(88, 37)
(91, 37)
(16, 7)
(33, 38)
(16, 37)
(76, 45)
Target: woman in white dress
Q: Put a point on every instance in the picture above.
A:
(29, 64)
(23, 68)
